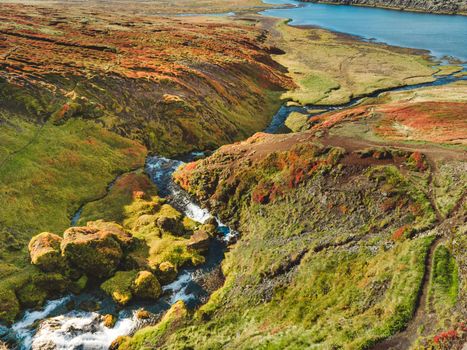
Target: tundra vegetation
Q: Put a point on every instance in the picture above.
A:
(352, 228)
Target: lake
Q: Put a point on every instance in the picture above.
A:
(443, 35)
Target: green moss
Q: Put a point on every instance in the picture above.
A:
(444, 284)
(150, 335)
(296, 121)
(119, 287)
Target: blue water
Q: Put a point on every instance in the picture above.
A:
(443, 35)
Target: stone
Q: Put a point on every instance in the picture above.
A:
(146, 286)
(109, 320)
(44, 250)
(167, 272)
(199, 241)
(95, 252)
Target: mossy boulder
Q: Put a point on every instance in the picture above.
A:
(167, 272)
(296, 121)
(125, 285)
(171, 220)
(95, 252)
(118, 233)
(79, 285)
(119, 287)
(44, 250)
(146, 286)
(199, 241)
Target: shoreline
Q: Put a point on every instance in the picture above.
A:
(464, 14)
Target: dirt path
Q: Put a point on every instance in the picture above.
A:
(404, 339)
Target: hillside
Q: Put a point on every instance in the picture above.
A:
(343, 238)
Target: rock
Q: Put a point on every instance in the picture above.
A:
(117, 342)
(79, 285)
(44, 250)
(170, 220)
(89, 306)
(146, 286)
(70, 305)
(167, 272)
(119, 287)
(124, 238)
(143, 314)
(94, 251)
(109, 320)
(52, 283)
(212, 221)
(30, 296)
(199, 241)
(296, 121)
(210, 229)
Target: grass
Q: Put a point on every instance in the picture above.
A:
(444, 284)
(342, 67)
(329, 276)
(46, 173)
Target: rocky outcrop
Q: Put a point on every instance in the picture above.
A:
(44, 250)
(433, 6)
(126, 285)
(91, 250)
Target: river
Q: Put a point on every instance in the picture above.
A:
(443, 35)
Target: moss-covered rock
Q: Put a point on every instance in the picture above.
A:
(199, 240)
(94, 251)
(79, 285)
(167, 272)
(296, 121)
(143, 314)
(44, 250)
(119, 287)
(118, 233)
(171, 220)
(146, 286)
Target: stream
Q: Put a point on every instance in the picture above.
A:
(65, 325)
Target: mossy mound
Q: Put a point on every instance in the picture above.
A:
(146, 286)
(91, 250)
(167, 272)
(44, 250)
(119, 287)
(125, 285)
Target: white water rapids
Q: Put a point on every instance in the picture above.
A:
(57, 327)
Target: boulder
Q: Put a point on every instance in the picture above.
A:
(146, 286)
(118, 233)
(120, 286)
(169, 219)
(199, 241)
(94, 251)
(143, 314)
(44, 250)
(167, 272)
(109, 320)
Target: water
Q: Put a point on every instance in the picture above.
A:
(277, 124)
(443, 35)
(58, 326)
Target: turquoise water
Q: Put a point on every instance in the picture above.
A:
(443, 35)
